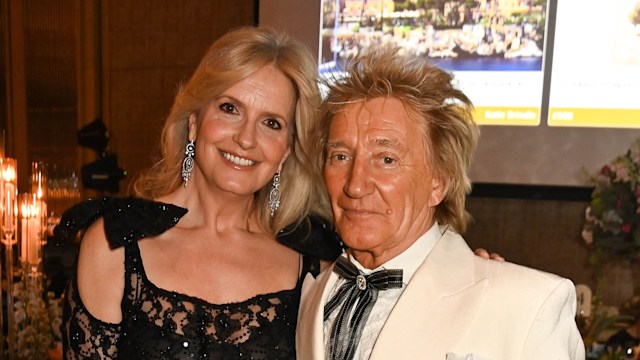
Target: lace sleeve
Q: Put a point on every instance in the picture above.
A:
(84, 336)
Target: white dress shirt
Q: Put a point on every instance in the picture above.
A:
(408, 261)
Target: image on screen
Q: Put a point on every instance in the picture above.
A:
(589, 65)
(495, 48)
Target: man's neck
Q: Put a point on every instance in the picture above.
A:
(372, 259)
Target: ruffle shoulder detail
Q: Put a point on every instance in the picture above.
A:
(314, 236)
(126, 219)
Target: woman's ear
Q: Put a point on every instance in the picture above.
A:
(193, 126)
(284, 158)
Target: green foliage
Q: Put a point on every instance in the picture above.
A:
(612, 219)
(601, 323)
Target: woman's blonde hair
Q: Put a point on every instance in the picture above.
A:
(233, 57)
(445, 113)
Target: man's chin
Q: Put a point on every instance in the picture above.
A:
(362, 239)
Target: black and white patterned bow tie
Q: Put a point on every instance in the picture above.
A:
(358, 294)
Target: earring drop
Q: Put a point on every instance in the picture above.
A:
(188, 162)
(274, 195)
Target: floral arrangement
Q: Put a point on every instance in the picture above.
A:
(630, 354)
(612, 219)
(38, 319)
(630, 314)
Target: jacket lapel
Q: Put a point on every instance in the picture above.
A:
(309, 333)
(437, 305)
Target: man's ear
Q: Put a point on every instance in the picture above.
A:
(193, 126)
(438, 191)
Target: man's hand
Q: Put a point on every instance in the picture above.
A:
(485, 254)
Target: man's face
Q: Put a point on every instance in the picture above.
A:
(382, 188)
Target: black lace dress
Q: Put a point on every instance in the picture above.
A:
(161, 324)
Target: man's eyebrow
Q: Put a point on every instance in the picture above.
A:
(388, 143)
(334, 144)
(383, 142)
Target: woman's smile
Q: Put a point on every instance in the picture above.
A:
(236, 160)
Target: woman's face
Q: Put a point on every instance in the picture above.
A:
(243, 135)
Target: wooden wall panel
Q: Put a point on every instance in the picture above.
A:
(148, 48)
(543, 234)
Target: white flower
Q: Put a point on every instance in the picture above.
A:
(621, 171)
(587, 236)
(614, 220)
(587, 214)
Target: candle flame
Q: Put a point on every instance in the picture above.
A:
(30, 207)
(9, 173)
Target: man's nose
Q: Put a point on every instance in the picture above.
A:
(246, 135)
(358, 182)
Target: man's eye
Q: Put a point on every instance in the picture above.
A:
(228, 107)
(274, 124)
(338, 157)
(387, 160)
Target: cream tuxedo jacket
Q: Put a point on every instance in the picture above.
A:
(459, 304)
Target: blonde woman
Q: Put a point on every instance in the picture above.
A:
(192, 267)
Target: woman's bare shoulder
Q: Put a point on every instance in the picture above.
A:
(100, 274)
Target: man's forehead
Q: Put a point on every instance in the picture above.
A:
(376, 128)
(381, 121)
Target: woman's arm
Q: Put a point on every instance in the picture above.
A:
(101, 275)
(92, 314)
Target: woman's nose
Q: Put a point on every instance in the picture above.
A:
(246, 135)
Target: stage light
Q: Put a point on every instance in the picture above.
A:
(103, 174)
(94, 136)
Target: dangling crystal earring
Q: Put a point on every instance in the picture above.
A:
(187, 163)
(274, 194)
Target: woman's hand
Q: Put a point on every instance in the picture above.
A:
(485, 254)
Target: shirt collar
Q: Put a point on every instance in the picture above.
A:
(410, 259)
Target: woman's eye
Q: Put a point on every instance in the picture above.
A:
(274, 124)
(228, 107)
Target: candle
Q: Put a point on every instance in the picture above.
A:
(39, 188)
(38, 179)
(9, 205)
(31, 229)
(8, 213)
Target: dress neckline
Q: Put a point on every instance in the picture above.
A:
(175, 294)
